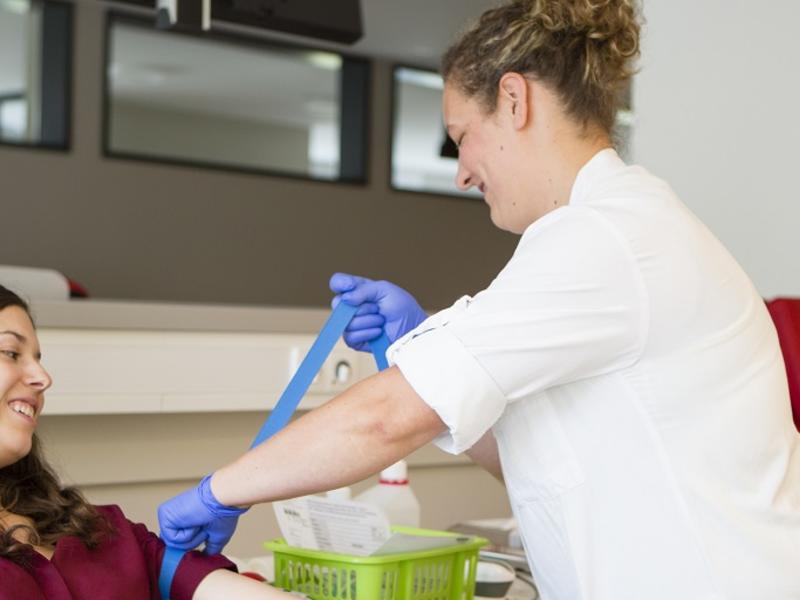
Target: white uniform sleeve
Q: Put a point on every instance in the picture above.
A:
(569, 305)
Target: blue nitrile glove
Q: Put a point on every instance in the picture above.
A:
(382, 306)
(196, 516)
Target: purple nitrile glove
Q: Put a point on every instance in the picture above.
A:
(382, 306)
(196, 516)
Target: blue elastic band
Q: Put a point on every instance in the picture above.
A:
(282, 412)
(379, 347)
(169, 566)
(308, 369)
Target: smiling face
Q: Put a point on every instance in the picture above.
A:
(524, 154)
(23, 382)
(490, 156)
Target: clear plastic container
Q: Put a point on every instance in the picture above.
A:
(393, 496)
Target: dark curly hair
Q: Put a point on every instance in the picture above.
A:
(30, 488)
(583, 49)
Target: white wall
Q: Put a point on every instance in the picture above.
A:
(717, 105)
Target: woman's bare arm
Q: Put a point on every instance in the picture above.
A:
(363, 430)
(227, 584)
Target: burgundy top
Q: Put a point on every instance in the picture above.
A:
(123, 567)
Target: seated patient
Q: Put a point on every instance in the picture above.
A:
(53, 544)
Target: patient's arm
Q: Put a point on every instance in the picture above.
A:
(227, 584)
(216, 581)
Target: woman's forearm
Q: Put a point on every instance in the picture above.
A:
(366, 428)
(227, 584)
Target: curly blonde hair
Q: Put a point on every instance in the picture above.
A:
(582, 49)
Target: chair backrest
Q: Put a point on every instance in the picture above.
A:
(786, 315)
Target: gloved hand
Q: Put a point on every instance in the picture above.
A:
(382, 306)
(196, 516)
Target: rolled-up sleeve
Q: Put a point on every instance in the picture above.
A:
(460, 390)
(570, 304)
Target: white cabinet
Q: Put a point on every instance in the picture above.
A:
(122, 371)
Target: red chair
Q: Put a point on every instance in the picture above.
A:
(786, 315)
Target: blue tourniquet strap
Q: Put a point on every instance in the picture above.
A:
(282, 412)
(169, 565)
(379, 347)
(308, 369)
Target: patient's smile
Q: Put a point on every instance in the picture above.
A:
(22, 407)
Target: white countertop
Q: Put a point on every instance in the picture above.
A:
(120, 357)
(120, 314)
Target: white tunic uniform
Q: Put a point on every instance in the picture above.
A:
(633, 379)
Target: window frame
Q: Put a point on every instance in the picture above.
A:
(63, 114)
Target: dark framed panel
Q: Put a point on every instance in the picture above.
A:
(35, 73)
(233, 102)
(423, 158)
(339, 21)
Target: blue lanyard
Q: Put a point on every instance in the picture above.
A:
(298, 386)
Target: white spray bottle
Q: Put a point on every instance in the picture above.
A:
(393, 495)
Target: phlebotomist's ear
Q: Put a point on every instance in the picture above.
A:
(513, 99)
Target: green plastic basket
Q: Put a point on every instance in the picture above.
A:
(440, 574)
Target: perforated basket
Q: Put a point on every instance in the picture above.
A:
(441, 574)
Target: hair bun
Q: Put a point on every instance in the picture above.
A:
(608, 30)
(585, 49)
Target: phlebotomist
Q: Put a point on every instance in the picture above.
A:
(620, 374)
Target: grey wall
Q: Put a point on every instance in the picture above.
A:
(138, 230)
(716, 107)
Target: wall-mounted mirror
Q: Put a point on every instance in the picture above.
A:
(34, 72)
(227, 102)
(423, 158)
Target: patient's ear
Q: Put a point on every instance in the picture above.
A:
(513, 98)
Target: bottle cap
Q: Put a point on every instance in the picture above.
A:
(396, 473)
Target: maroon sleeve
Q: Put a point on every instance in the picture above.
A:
(192, 569)
(16, 582)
